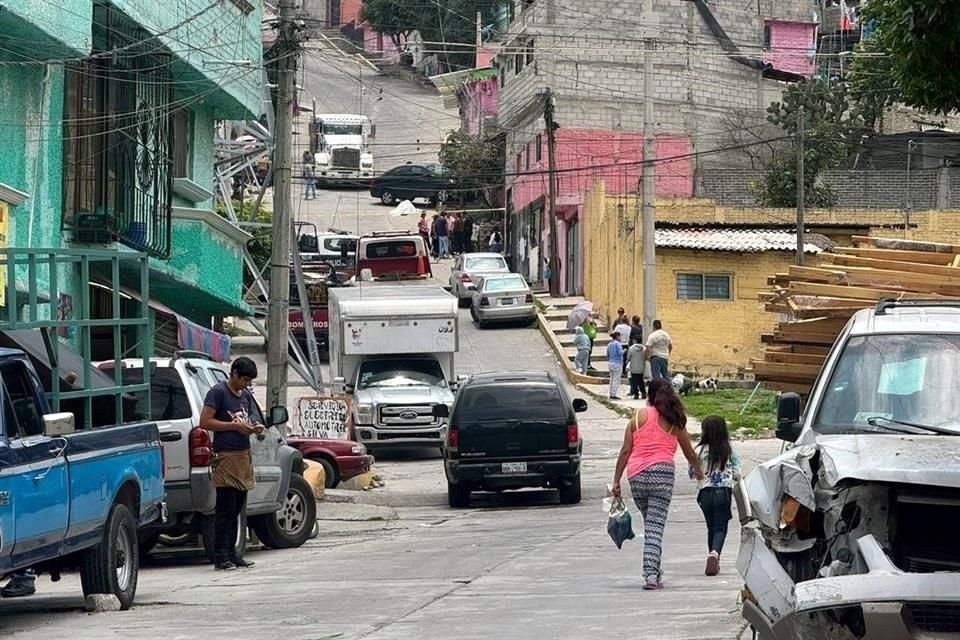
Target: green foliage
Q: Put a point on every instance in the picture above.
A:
(923, 40)
(262, 243)
(393, 18)
(871, 84)
(759, 417)
(473, 161)
(833, 130)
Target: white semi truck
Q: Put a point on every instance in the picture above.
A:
(393, 349)
(340, 146)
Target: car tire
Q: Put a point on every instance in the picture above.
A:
(292, 525)
(570, 490)
(113, 566)
(387, 198)
(207, 527)
(464, 302)
(442, 196)
(331, 474)
(458, 495)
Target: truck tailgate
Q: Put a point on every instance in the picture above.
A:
(512, 438)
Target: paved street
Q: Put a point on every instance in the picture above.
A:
(396, 563)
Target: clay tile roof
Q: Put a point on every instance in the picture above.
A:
(739, 240)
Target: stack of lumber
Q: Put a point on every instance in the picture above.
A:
(816, 301)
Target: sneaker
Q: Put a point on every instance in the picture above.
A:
(225, 566)
(713, 564)
(19, 588)
(243, 564)
(653, 583)
(614, 397)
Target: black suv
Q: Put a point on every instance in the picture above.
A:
(410, 181)
(512, 430)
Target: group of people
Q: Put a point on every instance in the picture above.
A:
(627, 353)
(650, 443)
(452, 234)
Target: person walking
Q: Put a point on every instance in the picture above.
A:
(423, 228)
(443, 236)
(721, 466)
(474, 237)
(622, 331)
(496, 242)
(589, 327)
(226, 412)
(459, 241)
(582, 361)
(468, 239)
(434, 238)
(637, 361)
(649, 445)
(309, 177)
(636, 330)
(615, 360)
(659, 348)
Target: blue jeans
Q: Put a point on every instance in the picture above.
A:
(310, 189)
(658, 367)
(444, 246)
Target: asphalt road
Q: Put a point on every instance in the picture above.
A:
(399, 564)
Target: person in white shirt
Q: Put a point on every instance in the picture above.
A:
(622, 331)
(659, 348)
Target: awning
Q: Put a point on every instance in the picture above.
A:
(30, 341)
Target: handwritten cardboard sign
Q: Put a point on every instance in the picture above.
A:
(326, 417)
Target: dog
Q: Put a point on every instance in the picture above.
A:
(707, 385)
(682, 384)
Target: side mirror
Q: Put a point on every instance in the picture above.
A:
(579, 405)
(441, 411)
(58, 424)
(278, 416)
(339, 385)
(788, 417)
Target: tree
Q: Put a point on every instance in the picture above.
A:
(474, 162)
(871, 83)
(833, 130)
(394, 18)
(923, 40)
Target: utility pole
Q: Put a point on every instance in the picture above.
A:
(278, 331)
(552, 246)
(908, 208)
(649, 190)
(801, 184)
(479, 31)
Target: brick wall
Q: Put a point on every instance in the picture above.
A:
(885, 189)
(713, 337)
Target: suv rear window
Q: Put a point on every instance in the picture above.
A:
(513, 401)
(391, 249)
(167, 395)
(479, 264)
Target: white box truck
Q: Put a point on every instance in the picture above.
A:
(392, 348)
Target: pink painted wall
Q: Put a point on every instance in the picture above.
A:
(379, 44)
(485, 57)
(481, 100)
(791, 46)
(350, 11)
(585, 156)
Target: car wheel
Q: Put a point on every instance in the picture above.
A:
(292, 525)
(331, 476)
(388, 198)
(114, 564)
(570, 490)
(442, 196)
(458, 495)
(207, 532)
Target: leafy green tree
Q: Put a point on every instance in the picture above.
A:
(923, 40)
(871, 83)
(394, 18)
(474, 162)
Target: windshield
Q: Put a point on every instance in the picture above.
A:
(409, 373)
(336, 245)
(491, 263)
(343, 129)
(504, 284)
(886, 383)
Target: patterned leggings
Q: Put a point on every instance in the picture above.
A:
(652, 490)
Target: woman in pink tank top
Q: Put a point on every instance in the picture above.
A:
(649, 447)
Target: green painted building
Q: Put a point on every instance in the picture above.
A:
(107, 139)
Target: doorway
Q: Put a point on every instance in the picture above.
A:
(572, 256)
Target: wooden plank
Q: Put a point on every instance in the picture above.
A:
(872, 294)
(924, 257)
(798, 348)
(788, 387)
(906, 279)
(793, 358)
(895, 265)
(956, 262)
(908, 245)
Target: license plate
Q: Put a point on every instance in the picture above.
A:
(506, 301)
(513, 467)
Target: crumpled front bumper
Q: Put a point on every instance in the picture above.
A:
(894, 604)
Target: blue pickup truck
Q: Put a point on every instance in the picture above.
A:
(72, 499)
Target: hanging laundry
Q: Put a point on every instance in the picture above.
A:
(193, 337)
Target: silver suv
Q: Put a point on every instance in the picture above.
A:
(852, 531)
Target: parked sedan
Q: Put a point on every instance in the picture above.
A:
(502, 298)
(341, 459)
(469, 268)
(410, 181)
(512, 430)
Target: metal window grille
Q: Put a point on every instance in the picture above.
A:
(699, 286)
(118, 139)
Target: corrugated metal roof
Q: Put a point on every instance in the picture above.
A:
(740, 240)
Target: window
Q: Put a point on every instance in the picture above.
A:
(508, 283)
(767, 39)
(519, 162)
(486, 264)
(501, 74)
(514, 401)
(539, 147)
(530, 52)
(518, 63)
(700, 286)
(182, 143)
(526, 152)
(19, 389)
(117, 131)
(391, 249)
(168, 396)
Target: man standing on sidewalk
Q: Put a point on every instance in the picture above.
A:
(615, 360)
(443, 236)
(659, 348)
(226, 412)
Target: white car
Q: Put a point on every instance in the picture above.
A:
(469, 267)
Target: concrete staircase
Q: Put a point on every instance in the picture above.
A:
(553, 324)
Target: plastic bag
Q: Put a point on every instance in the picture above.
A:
(619, 522)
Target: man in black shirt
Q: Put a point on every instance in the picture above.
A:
(226, 412)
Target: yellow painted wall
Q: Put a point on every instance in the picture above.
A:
(713, 337)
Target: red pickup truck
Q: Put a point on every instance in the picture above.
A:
(392, 256)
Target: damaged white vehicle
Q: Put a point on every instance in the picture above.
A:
(854, 531)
